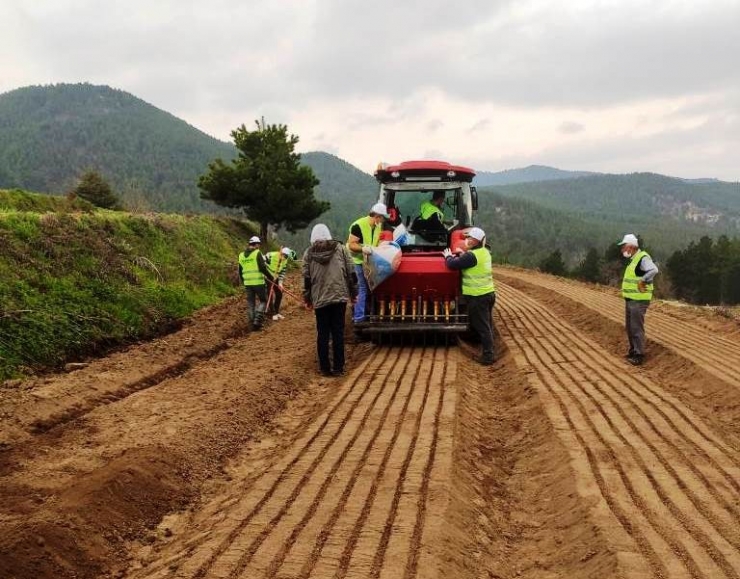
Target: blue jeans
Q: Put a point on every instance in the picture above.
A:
(363, 293)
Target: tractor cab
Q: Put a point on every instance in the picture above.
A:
(423, 295)
(406, 188)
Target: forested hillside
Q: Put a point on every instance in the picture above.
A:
(52, 134)
(350, 192)
(668, 212)
(529, 174)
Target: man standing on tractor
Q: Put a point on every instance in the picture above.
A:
(277, 263)
(477, 287)
(364, 235)
(252, 273)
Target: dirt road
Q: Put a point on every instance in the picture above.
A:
(213, 452)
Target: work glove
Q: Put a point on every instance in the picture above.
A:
(447, 252)
(367, 249)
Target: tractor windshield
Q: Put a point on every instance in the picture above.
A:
(419, 210)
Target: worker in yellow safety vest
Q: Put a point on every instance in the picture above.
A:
(252, 273)
(478, 287)
(637, 291)
(277, 263)
(364, 235)
(431, 217)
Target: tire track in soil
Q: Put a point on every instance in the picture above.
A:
(715, 354)
(670, 488)
(354, 492)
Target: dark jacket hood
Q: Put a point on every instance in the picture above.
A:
(321, 251)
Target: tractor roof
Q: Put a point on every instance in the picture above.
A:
(423, 170)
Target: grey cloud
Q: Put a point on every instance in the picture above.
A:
(243, 55)
(480, 125)
(703, 151)
(571, 127)
(434, 125)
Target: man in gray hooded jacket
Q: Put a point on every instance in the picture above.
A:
(328, 285)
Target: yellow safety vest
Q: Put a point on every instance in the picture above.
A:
(428, 209)
(478, 280)
(276, 262)
(370, 236)
(251, 273)
(630, 281)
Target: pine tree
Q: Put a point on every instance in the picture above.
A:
(590, 268)
(266, 180)
(554, 264)
(93, 188)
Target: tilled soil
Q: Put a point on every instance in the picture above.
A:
(214, 452)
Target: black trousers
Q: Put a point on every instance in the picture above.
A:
(479, 316)
(277, 299)
(330, 325)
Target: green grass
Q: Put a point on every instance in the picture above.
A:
(73, 284)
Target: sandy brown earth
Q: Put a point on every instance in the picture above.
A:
(213, 452)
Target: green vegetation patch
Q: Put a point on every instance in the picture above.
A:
(20, 200)
(76, 284)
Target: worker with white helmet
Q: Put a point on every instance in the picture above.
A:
(637, 291)
(253, 272)
(364, 235)
(277, 263)
(478, 288)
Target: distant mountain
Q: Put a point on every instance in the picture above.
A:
(532, 173)
(669, 212)
(49, 135)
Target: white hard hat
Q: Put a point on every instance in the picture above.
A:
(286, 251)
(630, 239)
(476, 233)
(254, 239)
(380, 209)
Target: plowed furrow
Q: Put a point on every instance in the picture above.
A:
(271, 556)
(221, 528)
(664, 417)
(353, 494)
(681, 485)
(307, 550)
(717, 355)
(669, 488)
(252, 532)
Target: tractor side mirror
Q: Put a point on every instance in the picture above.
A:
(474, 198)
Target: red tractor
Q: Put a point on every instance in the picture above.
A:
(423, 295)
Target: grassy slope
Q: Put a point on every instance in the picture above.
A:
(74, 283)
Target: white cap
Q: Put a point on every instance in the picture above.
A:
(476, 233)
(254, 239)
(285, 251)
(630, 239)
(320, 232)
(379, 209)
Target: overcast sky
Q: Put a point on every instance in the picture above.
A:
(614, 85)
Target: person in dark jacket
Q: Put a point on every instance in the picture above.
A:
(253, 272)
(328, 285)
(478, 287)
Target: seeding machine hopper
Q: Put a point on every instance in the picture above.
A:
(422, 295)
